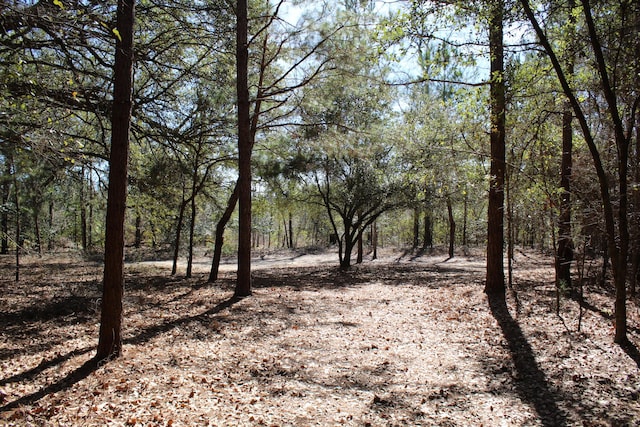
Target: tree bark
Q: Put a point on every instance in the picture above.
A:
(564, 256)
(374, 239)
(452, 228)
(495, 227)
(291, 242)
(83, 212)
(192, 229)
(36, 225)
(617, 242)
(50, 234)
(428, 231)
(416, 227)
(465, 216)
(176, 243)
(110, 336)
(16, 196)
(219, 241)
(138, 237)
(243, 284)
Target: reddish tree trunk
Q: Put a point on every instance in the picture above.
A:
(495, 228)
(110, 338)
(243, 284)
(564, 257)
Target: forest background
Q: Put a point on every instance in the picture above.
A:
(361, 124)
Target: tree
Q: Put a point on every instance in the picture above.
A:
(110, 336)
(495, 217)
(245, 145)
(564, 255)
(613, 96)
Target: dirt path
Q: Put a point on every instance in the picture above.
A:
(397, 341)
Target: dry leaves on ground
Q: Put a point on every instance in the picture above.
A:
(406, 340)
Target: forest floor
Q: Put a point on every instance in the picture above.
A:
(402, 340)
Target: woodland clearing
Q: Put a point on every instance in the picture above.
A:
(407, 339)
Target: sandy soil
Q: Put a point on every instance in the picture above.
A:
(403, 340)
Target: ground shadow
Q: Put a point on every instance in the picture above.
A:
(149, 333)
(632, 351)
(531, 384)
(43, 366)
(299, 278)
(69, 380)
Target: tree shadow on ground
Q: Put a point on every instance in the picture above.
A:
(91, 365)
(632, 351)
(64, 383)
(299, 278)
(153, 331)
(531, 385)
(43, 366)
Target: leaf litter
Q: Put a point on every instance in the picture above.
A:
(393, 342)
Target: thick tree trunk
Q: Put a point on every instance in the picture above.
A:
(495, 228)
(345, 262)
(564, 256)
(428, 231)
(110, 338)
(243, 284)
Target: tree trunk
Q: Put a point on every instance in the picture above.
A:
(495, 228)
(176, 244)
(50, 234)
(452, 228)
(192, 229)
(345, 261)
(617, 240)
(374, 239)
(285, 236)
(465, 216)
(243, 285)
(90, 218)
(222, 223)
(291, 243)
(428, 232)
(110, 338)
(83, 212)
(18, 231)
(4, 219)
(138, 238)
(564, 256)
(416, 227)
(360, 255)
(36, 225)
